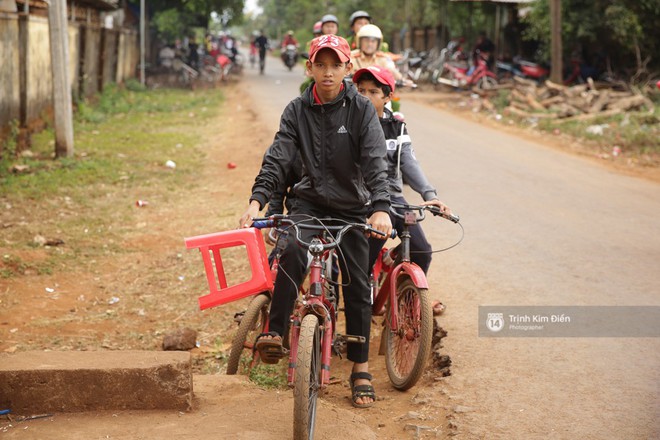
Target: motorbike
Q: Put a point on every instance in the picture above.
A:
(522, 69)
(290, 56)
(463, 75)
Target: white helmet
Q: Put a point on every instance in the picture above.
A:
(370, 31)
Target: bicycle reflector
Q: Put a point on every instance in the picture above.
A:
(210, 246)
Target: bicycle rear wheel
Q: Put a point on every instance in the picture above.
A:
(307, 381)
(252, 324)
(407, 351)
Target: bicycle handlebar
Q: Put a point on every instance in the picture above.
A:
(420, 208)
(278, 219)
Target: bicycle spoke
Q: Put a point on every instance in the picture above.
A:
(408, 348)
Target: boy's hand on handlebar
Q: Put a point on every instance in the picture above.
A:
(441, 206)
(251, 212)
(380, 221)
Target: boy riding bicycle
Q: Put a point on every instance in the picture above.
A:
(342, 148)
(377, 84)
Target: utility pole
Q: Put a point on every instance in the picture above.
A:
(59, 56)
(555, 42)
(142, 41)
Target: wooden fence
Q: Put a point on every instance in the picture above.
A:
(97, 56)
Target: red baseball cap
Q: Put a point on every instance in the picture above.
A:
(334, 42)
(382, 75)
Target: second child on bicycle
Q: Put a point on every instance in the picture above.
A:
(377, 84)
(342, 148)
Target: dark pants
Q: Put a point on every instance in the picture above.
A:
(420, 248)
(353, 256)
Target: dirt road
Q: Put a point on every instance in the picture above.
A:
(542, 228)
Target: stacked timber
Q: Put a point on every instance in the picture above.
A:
(581, 102)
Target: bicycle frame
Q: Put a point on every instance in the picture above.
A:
(404, 269)
(314, 301)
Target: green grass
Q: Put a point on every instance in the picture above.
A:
(636, 133)
(269, 376)
(633, 132)
(122, 142)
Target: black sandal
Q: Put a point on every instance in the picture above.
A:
(361, 391)
(270, 350)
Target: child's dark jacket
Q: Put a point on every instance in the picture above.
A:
(342, 148)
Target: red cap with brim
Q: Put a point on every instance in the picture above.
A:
(382, 75)
(334, 42)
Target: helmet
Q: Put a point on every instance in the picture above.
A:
(317, 27)
(290, 33)
(359, 14)
(370, 31)
(329, 18)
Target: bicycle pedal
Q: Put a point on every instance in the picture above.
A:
(355, 339)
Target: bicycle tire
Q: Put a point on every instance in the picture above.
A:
(254, 321)
(307, 380)
(407, 352)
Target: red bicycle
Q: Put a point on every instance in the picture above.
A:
(313, 334)
(400, 292)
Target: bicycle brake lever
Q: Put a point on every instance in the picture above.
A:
(436, 211)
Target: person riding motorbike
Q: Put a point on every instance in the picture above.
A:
(329, 24)
(357, 20)
(289, 39)
(368, 53)
(289, 50)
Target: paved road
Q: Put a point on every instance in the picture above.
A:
(542, 228)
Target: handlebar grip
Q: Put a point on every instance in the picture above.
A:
(262, 224)
(453, 218)
(393, 234)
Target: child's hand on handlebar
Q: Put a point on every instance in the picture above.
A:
(441, 206)
(380, 221)
(251, 212)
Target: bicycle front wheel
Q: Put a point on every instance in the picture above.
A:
(252, 324)
(408, 349)
(307, 381)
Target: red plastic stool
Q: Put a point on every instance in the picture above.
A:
(211, 244)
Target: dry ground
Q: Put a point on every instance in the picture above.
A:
(146, 284)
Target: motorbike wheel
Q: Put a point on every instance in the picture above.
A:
(486, 83)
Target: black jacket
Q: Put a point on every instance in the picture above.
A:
(342, 148)
(403, 166)
(283, 196)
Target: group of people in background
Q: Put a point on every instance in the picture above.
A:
(189, 51)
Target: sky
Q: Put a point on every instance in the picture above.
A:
(251, 6)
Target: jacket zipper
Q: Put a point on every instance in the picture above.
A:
(324, 171)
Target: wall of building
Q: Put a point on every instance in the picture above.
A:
(97, 57)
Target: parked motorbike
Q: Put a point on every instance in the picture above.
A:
(463, 75)
(290, 55)
(522, 69)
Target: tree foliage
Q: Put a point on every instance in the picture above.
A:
(176, 18)
(622, 30)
